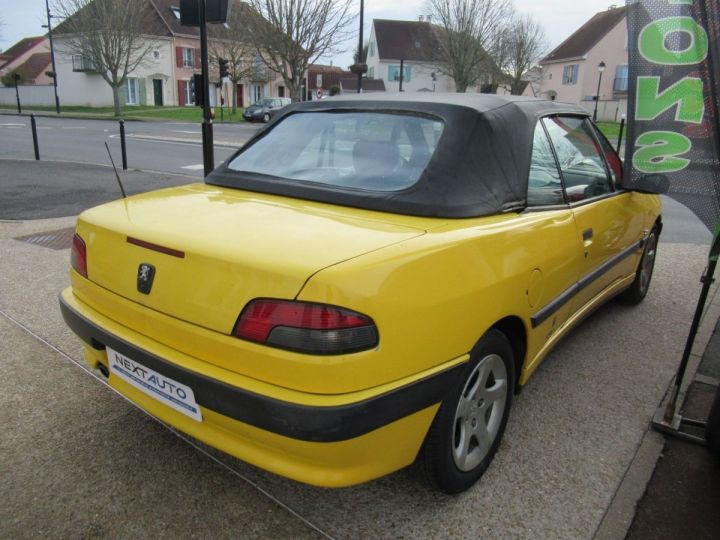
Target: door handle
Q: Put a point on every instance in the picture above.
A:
(587, 234)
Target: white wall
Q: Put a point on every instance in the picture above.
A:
(29, 95)
(90, 89)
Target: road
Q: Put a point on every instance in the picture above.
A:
(172, 147)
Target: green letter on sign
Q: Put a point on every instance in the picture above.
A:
(686, 94)
(653, 36)
(658, 151)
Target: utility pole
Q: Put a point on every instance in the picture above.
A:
(207, 126)
(52, 56)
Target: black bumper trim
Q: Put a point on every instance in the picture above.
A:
(302, 422)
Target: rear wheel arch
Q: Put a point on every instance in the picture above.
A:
(514, 330)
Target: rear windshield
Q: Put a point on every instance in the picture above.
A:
(363, 150)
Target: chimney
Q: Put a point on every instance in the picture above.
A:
(420, 18)
(428, 18)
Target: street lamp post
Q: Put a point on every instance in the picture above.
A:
(52, 55)
(360, 46)
(601, 68)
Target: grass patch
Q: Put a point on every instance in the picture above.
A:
(611, 130)
(183, 114)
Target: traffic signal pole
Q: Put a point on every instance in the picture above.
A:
(207, 127)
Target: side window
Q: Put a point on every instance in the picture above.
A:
(582, 166)
(544, 185)
(611, 157)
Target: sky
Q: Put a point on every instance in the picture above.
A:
(559, 18)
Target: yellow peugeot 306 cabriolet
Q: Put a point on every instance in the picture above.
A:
(365, 284)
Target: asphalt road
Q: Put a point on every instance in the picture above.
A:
(172, 147)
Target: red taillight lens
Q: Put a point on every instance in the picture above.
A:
(306, 327)
(78, 256)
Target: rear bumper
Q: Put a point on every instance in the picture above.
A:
(332, 445)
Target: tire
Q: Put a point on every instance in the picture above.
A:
(266, 117)
(635, 294)
(469, 425)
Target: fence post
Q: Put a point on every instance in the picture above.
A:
(35, 137)
(122, 145)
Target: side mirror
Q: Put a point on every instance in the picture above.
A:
(656, 184)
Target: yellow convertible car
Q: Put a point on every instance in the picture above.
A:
(365, 284)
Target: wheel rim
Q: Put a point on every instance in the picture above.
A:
(479, 413)
(648, 263)
(266, 118)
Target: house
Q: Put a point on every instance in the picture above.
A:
(322, 79)
(165, 75)
(571, 72)
(29, 56)
(414, 43)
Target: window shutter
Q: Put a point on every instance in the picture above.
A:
(196, 58)
(143, 92)
(122, 93)
(179, 56)
(181, 93)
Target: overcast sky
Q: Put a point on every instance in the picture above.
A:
(559, 18)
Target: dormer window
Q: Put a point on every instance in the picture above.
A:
(175, 11)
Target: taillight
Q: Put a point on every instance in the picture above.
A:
(78, 256)
(306, 327)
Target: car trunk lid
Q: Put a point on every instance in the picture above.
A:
(211, 250)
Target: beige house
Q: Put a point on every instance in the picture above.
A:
(29, 56)
(571, 72)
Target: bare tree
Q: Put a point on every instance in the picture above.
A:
(292, 34)
(235, 46)
(527, 45)
(110, 35)
(469, 28)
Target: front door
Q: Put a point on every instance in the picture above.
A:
(239, 92)
(608, 234)
(158, 91)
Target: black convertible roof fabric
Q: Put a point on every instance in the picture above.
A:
(480, 166)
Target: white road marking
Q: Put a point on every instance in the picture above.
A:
(74, 127)
(13, 125)
(183, 131)
(194, 167)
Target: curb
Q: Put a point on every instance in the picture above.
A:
(620, 513)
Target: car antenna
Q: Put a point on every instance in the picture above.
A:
(115, 169)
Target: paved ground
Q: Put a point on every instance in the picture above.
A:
(80, 461)
(157, 146)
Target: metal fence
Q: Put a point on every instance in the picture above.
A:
(29, 95)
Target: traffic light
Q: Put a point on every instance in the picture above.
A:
(223, 64)
(197, 87)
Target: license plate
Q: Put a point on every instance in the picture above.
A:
(166, 390)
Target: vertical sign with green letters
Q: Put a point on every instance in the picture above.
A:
(673, 100)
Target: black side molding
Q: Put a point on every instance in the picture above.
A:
(302, 422)
(543, 314)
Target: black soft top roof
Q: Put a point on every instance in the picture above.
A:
(480, 166)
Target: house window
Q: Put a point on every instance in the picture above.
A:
(394, 73)
(621, 79)
(156, 54)
(82, 63)
(132, 91)
(371, 73)
(570, 74)
(188, 56)
(371, 48)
